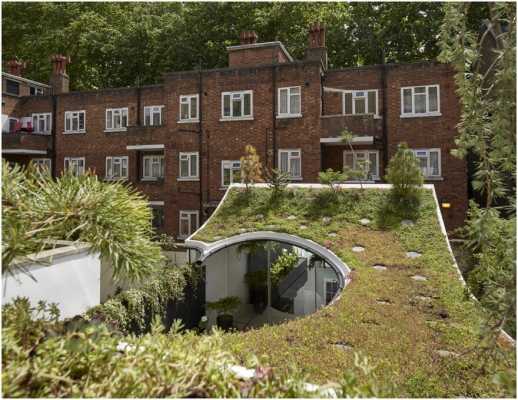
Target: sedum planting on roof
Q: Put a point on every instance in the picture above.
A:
(405, 308)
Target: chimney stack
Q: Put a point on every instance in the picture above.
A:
(15, 67)
(59, 79)
(317, 50)
(248, 37)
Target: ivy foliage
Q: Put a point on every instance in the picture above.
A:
(113, 217)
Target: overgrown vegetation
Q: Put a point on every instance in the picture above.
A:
(485, 64)
(251, 167)
(420, 335)
(114, 218)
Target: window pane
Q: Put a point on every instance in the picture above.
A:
(184, 226)
(248, 110)
(156, 118)
(109, 120)
(184, 111)
(147, 167)
(423, 162)
(125, 118)
(348, 99)
(194, 107)
(81, 121)
(434, 163)
(108, 167)
(295, 167)
(67, 123)
(372, 102)
(236, 107)
(349, 160)
(373, 165)
(359, 105)
(184, 168)
(432, 99)
(194, 222)
(284, 161)
(117, 120)
(295, 104)
(194, 165)
(75, 124)
(226, 105)
(407, 101)
(227, 180)
(420, 90)
(420, 103)
(283, 101)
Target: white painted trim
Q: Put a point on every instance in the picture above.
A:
(21, 79)
(289, 151)
(151, 108)
(288, 114)
(23, 151)
(189, 176)
(187, 213)
(367, 153)
(69, 114)
(156, 203)
(242, 117)
(121, 110)
(428, 113)
(356, 140)
(146, 147)
(189, 97)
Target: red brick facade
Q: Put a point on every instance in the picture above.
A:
(263, 71)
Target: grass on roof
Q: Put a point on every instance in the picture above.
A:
(407, 338)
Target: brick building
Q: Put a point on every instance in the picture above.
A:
(180, 141)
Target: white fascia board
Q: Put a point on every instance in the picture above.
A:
(23, 151)
(356, 140)
(22, 79)
(264, 44)
(146, 147)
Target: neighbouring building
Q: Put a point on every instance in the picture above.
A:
(180, 141)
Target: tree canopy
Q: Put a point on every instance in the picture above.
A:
(114, 44)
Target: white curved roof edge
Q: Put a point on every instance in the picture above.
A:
(431, 187)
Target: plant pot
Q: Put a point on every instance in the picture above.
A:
(225, 321)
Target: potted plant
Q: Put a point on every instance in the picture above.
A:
(258, 289)
(224, 307)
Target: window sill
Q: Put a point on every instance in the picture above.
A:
(188, 179)
(288, 116)
(188, 121)
(108, 179)
(152, 180)
(295, 178)
(73, 132)
(437, 114)
(236, 119)
(115, 130)
(41, 133)
(433, 178)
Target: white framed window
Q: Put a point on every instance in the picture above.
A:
(429, 161)
(237, 105)
(230, 170)
(43, 164)
(117, 167)
(420, 101)
(360, 102)
(75, 164)
(36, 91)
(290, 162)
(188, 166)
(153, 115)
(189, 221)
(75, 121)
(42, 123)
(9, 124)
(356, 160)
(189, 106)
(116, 119)
(152, 167)
(331, 287)
(289, 102)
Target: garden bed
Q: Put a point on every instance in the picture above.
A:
(412, 318)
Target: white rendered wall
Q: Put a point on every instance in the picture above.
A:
(71, 279)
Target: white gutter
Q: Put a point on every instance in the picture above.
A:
(23, 151)
(22, 79)
(145, 147)
(355, 140)
(258, 45)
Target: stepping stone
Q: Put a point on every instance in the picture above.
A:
(343, 345)
(332, 234)
(423, 298)
(303, 227)
(358, 249)
(379, 267)
(292, 217)
(413, 254)
(446, 353)
(365, 221)
(419, 278)
(326, 220)
(383, 301)
(407, 222)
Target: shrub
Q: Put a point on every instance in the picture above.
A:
(251, 168)
(405, 175)
(283, 266)
(225, 305)
(114, 218)
(277, 180)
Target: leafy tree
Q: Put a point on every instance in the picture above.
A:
(115, 219)
(277, 180)
(331, 178)
(405, 175)
(485, 65)
(251, 167)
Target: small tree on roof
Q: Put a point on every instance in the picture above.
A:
(251, 168)
(404, 173)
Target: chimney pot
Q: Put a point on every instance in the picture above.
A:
(59, 79)
(248, 37)
(59, 63)
(16, 67)
(317, 35)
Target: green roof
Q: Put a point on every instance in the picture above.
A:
(413, 320)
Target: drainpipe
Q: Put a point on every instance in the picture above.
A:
(200, 139)
(385, 110)
(139, 95)
(53, 139)
(274, 119)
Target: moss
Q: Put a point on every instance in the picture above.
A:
(402, 337)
